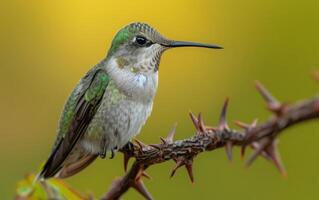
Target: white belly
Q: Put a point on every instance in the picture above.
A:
(115, 125)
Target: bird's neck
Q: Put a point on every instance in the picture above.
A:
(136, 84)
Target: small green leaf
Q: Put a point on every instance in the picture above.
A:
(28, 189)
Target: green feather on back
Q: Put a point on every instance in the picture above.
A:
(94, 89)
(67, 116)
(94, 85)
(78, 112)
(97, 87)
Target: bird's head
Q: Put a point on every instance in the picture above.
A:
(138, 47)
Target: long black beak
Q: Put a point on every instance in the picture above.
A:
(191, 44)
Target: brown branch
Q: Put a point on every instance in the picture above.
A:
(262, 138)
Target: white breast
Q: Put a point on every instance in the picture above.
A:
(138, 116)
(140, 80)
(139, 86)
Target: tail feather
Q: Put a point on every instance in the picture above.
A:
(68, 169)
(79, 165)
(73, 163)
(47, 171)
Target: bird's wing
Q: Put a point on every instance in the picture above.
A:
(78, 113)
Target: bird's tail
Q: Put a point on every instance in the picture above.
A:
(71, 168)
(76, 166)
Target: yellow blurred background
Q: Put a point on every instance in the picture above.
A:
(46, 46)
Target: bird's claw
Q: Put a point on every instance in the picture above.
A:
(129, 147)
(102, 155)
(112, 154)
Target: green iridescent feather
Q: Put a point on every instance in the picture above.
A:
(121, 37)
(78, 112)
(96, 85)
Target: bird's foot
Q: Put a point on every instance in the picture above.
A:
(129, 147)
(113, 152)
(127, 150)
(102, 154)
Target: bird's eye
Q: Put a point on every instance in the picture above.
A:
(140, 40)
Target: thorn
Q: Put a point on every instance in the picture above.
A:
(201, 124)
(253, 125)
(222, 120)
(194, 120)
(273, 153)
(140, 144)
(170, 137)
(242, 151)
(255, 146)
(248, 133)
(126, 160)
(144, 174)
(189, 168)
(265, 94)
(188, 165)
(210, 128)
(273, 104)
(257, 152)
(228, 148)
(138, 175)
(179, 163)
(155, 146)
(140, 188)
(246, 126)
(163, 140)
(242, 124)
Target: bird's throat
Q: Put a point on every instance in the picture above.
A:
(132, 81)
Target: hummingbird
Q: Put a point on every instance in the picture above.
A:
(111, 103)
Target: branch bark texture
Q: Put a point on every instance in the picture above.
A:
(261, 137)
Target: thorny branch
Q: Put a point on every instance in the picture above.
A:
(260, 137)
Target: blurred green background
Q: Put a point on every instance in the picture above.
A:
(46, 46)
